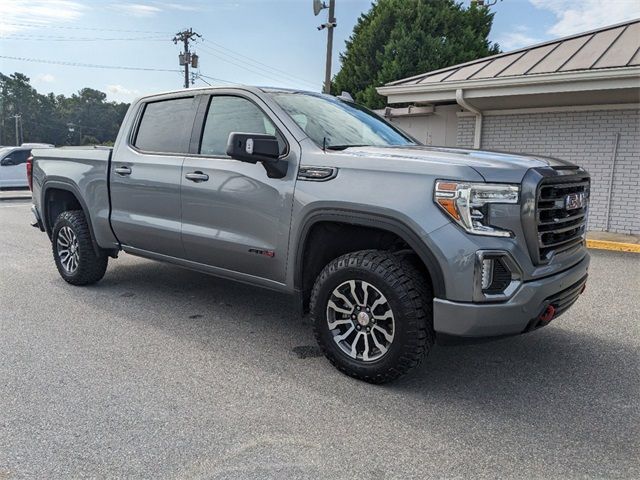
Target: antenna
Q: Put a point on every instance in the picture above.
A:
(346, 96)
(318, 6)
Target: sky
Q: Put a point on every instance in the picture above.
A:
(256, 42)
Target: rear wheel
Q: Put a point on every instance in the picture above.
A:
(372, 315)
(73, 250)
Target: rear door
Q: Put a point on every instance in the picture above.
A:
(233, 216)
(13, 169)
(146, 174)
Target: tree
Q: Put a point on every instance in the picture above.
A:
(400, 38)
(48, 118)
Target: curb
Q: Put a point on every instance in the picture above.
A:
(615, 246)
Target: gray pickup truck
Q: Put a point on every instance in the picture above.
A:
(385, 241)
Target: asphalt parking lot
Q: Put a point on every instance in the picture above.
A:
(158, 372)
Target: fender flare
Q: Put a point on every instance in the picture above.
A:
(71, 188)
(376, 220)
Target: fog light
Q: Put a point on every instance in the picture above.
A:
(487, 272)
(497, 276)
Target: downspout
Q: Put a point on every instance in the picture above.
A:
(614, 155)
(477, 138)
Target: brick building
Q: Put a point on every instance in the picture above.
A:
(576, 98)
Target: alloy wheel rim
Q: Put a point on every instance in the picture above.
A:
(361, 320)
(68, 249)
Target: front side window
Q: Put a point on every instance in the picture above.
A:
(165, 126)
(19, 156)
(229, 114)
(336, 124)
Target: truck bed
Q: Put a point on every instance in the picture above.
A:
(82, 171)
(89, 153)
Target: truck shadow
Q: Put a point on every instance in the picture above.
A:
(562, 378)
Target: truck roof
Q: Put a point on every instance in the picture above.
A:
(250, 88)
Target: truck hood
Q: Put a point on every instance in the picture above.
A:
(493, 166)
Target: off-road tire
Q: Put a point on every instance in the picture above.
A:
(409, 296)
(91, 266)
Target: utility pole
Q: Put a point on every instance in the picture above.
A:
(330, 25)
(186, 57)
(17, 118)
(3, 102)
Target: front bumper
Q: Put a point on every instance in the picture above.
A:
(519, 314)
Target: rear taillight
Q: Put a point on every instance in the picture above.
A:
(30, 172)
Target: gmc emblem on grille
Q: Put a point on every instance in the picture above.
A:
(574, 201)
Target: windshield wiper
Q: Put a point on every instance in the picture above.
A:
(343, 147)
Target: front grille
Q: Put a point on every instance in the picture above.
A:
(559, 228)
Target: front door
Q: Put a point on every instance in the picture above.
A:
(233, 216)
(146, 175)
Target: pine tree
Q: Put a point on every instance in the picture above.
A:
(400, 38)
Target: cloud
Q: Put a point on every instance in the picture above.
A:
(136, 9)
(518, 38)
(45, 78)
(579, 16)
(178, 6)
(152, 8)
(120, 93)
(18, 15)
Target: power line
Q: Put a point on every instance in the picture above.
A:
(261, 64)
(114, 67)
(88, 65)
(42, 25)
(199, 77)
(249, 68)
(76, 39)
(219, 80)
(272, 72)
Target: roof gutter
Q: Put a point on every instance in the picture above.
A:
(477, 138)
(582, 80)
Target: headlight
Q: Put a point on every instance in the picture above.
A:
(466, 203)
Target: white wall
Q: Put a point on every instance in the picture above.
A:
(439, 128)
(586, 138)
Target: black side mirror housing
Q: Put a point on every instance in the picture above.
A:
(257, 147)
(7, 162)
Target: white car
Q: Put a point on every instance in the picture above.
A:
(13, 168)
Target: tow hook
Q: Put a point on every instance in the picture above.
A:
(546, 316)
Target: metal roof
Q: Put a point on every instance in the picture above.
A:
(609, 47)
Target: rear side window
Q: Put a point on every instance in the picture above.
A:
(166, 125)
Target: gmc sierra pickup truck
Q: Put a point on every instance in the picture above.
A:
(385, 241)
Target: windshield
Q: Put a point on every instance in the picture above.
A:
(4, 151)
(336, 124)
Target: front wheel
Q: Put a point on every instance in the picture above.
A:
(372, 315)
(73, 250)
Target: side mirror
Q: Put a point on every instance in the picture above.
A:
(7, 162)
(257, 147)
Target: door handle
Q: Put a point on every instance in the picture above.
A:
(122, 171)
(197, 177)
